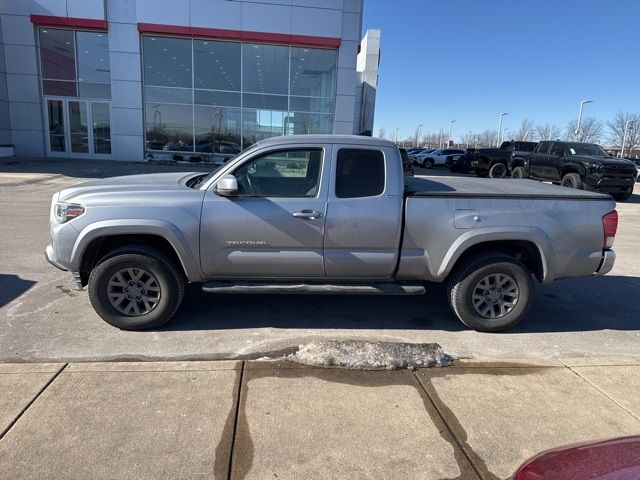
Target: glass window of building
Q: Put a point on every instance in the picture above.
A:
(216, 65)
(74, 63)
(237, 93)
(169, 127)
(167, 62)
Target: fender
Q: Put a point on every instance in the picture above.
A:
(132, 226)
(519, 161)
(493, 234)
(578, 166)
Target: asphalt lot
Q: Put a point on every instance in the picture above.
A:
(43, 318)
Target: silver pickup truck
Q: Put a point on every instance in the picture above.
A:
(326, 215)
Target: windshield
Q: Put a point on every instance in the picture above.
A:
(588, 149)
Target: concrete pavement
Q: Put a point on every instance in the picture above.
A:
(267, 420)
(44, 319)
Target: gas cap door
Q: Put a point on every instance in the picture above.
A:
(464, 219)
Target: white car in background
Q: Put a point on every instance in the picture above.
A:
(436, 157)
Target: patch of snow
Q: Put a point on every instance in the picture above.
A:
(370, 355)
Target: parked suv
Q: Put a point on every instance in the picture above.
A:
(496, 162)
(585, 166)
(437, 157)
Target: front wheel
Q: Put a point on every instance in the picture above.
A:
(572, 180)
(491, 292)
(519, 173)
(136, 287)
(498, 170)
(427, 163)
(622, 197)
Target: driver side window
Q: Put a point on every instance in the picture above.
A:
(283, 173)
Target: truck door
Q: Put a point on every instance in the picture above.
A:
(364, 214)
(555, 161)
(273, 227)
(538, 161)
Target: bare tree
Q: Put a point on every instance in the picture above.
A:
(547, 132)
(591, 130)
(382, 132)
(468, 139)
(616, 127)
(524, 132)
(488, 138)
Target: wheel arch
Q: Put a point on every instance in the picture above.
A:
(96, 240)
(571, 168)
(533, 248)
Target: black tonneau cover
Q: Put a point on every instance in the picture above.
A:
(493, 188)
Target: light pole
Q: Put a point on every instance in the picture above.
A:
(397, 135)
(418, 136)
(500, 128)
(451, 122)
(469, 136)
(582, 104)
(624, 136)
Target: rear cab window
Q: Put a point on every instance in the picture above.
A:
(359, 173)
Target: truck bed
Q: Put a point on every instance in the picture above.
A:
(493, 188)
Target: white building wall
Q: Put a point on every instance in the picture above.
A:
(24, 126)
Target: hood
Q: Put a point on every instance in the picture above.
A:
(135, 184)
(601, 160)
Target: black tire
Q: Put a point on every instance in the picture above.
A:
(498, 170)
(465, 279)
(519, 173)
(622, 197)
(170, 280)
(482, 173)
(572, 180)
(428, 163)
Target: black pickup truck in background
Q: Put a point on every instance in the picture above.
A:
(584, 166)
(495, 162)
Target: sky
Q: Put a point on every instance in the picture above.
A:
(470, 60)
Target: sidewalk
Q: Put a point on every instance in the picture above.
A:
(276, 420)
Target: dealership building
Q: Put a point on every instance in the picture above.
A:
(129, 79)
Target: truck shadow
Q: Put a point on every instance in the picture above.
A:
(577, 305)
(12, 287)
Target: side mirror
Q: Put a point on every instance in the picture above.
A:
(227, 186)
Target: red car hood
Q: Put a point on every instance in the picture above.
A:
(615, 459)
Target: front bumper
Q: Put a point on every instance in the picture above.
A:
(610, 184)
(608, 260)
(50, 255)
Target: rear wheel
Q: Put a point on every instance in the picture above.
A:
(572, 180)
(428, 163)
(498, 170)
(519, 173)
(136, 287)
(491, 292)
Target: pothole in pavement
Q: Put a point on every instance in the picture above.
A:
(362, 355)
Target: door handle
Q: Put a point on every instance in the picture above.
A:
(307, 214)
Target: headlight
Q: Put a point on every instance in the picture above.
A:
(594, 168)
(67, 211)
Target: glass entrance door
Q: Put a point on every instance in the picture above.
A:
(78, 128)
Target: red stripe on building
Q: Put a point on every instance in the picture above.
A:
(70, 22)
(263, 37)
